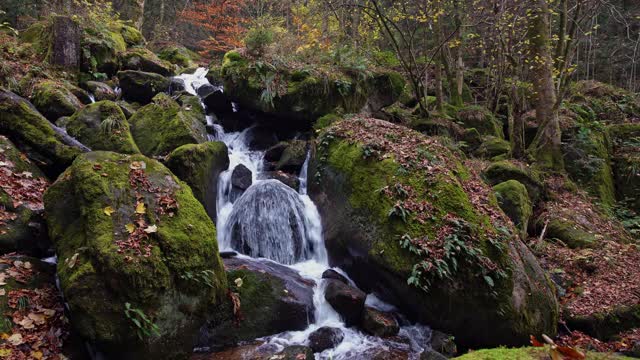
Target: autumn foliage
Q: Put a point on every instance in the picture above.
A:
(223, 19)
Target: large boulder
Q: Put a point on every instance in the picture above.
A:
(22, 226)
(142, 59)
(405, 219)
(347, 300)
(130, 10)
(502, 171)
(54, 99)
(43, 143)
(164, 125)
(273, 299)
(481, 119)
(200, 165)
(379, 323)
(303, 96)
(141, 87)
(138, 256)
(102, 126)
(514, 200)
(588, 162)
(101, 45)
(177, 55)
(325, 338)
(101, 91)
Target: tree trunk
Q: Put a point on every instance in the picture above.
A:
(545, 147)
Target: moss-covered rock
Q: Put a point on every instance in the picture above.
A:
(513, 199)
(502, 171)
(54, 100)
(571, 233)
(178, 55)
(142, 59)
(529, 353)
(593, 100)
(325, 121)
(103, 126)
(138, 256)
(588, 162)
(481, 119)
(22, 226)
(141, 87)
(493, 148)
(132, 36)
(293, 156)
(101, 45)
(34, 134)
(38, 35)
(101, 91)
(164, 125)
(606, 325)
(200, 166)
(273, 299)
(391, 200)
(301, 96)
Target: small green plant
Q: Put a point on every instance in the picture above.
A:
(111, 123)
(400, 211)
(202, 277)
(23, 303)
(144, 326)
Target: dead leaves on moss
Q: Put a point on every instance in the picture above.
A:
(35, 317)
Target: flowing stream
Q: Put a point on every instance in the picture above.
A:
(270, 220)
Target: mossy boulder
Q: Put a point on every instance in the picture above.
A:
(100, 48)
(481, 119)
(178, 55)
(164, 125)
(200, 165)
(132, 36)
(54, 100)
(35, 135)
(302, 95)
(606, 325)
(626, 163)
(587, 160)
(293, 156)
(529, 353)
(593, 100)
(100, 90)
(571, 233)
(141, 87)
(142, 59)
(38, 35)
(273, 299)
(103, 126)
(326, 121)
(138, 256)
(493, 147)
(391, 200)
(22, 226)
(513, 199)
(502, 171)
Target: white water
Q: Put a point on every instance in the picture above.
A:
(92, 98)
(272, 236)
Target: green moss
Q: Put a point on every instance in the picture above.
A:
(481, 119)
(142, 59)
(38, 35)
(514, 201)
(91, 267)
(163, 126)
(178, 55)
(587, 160)
(54, 99)
(131, 36)
(103, 126)
(528, 353)
(503, 171)
(325, 121)
(26, 127)
(570, 233)
(493, 147)
(199, 166)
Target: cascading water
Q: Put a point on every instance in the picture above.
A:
(273, 221)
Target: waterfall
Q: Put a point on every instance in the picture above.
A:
(273, 221)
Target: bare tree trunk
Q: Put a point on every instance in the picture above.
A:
(546, 146)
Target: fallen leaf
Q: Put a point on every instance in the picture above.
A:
(238, 282)
(3, 292)
(27, 265)
(48, 312)
(137, 165)
(108, 210)
(39, 319)
(72, 262)
(5, 352)
(140, 208)
(36, 355)
(18, 263)
(3, 277)
(130, 228)
(571, 353)
(535, 341)
(151, 229)
(26, 323)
